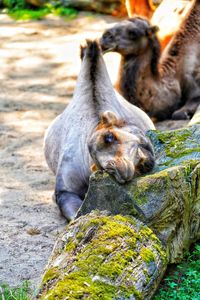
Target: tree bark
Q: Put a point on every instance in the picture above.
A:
(101, 256)
(121, 250)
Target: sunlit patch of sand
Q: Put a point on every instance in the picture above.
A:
(39, 67)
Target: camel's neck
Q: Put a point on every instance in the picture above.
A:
(180, 46)
(134, 69)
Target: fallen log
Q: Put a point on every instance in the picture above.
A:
(121, 250)
(101, 256)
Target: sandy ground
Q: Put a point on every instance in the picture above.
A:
(39, 64)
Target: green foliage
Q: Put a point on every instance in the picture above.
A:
(21, 10)
(15, 4)
(27, 14)
(58, 10)
(183, 282)
(18, 293)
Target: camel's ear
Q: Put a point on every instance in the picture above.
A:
(152, 30)
(82, 51)
(109, 118)
(83, 47)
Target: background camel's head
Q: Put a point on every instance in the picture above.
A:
(132, 36)
(120, 149)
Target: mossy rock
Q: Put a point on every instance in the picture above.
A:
(176, 147)
(104, 257)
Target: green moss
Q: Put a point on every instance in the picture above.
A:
(93, 222)
(146, 231)
(147, 255)
(132, 291)
(79, 285)
(136, 293)
(128, 209)
(172, 137)
(93, 256)
(114, 267)
(50, 275)
(144, 188)
(80, 236)
(124, 219)
(177, 146)
(93, 270)
(70, 246)
(146, 276)
(130, 254)
(110, 230)
(162, 253)
(138, 190)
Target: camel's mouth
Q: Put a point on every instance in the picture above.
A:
(106, 50)
(121, 170)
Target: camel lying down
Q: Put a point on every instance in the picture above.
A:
(98, 129)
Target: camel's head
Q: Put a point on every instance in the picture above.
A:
(120, 149)
(129, 37)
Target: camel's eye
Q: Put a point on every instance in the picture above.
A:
(107, 36)
(109, 138)
(133, 35)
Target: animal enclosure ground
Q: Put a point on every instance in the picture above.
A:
(39, 65)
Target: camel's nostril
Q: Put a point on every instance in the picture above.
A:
(90, 148)
(111, 163)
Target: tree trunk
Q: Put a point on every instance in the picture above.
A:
(122, 250)
(101, 256)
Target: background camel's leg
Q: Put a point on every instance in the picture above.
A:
(188, 110)
(140, 7)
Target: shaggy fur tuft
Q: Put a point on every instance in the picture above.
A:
(91, 52)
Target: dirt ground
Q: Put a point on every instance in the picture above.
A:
(39, 64)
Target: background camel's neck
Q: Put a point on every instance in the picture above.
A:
(133, 69)
(181, 43)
